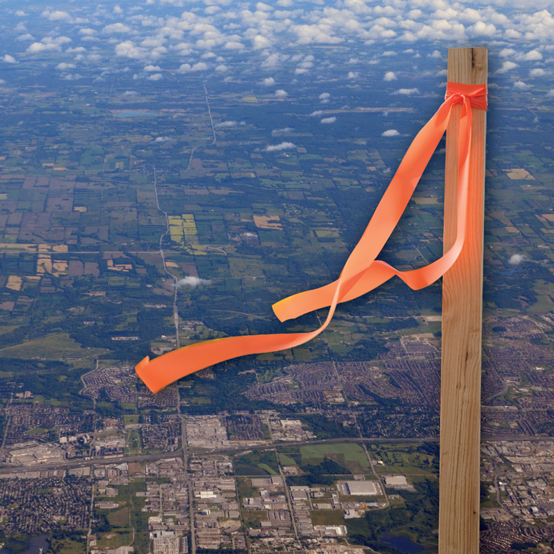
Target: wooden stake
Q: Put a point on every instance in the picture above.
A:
(462, 308)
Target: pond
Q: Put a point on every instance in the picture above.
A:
(35, 544)
(402, 543)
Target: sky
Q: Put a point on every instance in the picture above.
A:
(149, 38)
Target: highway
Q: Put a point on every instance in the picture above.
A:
(70, 464)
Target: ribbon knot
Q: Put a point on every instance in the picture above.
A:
(476, 94)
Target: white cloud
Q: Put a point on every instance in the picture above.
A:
(155, 77)
(224, 124)
(279, 147)
(268, 81)
(435, 54)
(520, 85)
(221, 68)
(352, 75)
(187, 68)
(56, 15)
(284, 131)
(317, 113)
(193, 282)
(315, 34)
(328, 120)
(390, 133)
(65, 66)
(531, 56)
(118, 10)
(87, 32)
(505, 52)
(506, 66)
(234, 45)
(9, 59)
(281, 93)
(537, 72)
(116, 28)
(151, 68)
(512, 34)
(20, 13)
(259, 42)
(516, 259)
(407, 91)
(274, 60)
(261, 7)
(48, 44)
(127, 49)
(26, 36)
(481, 29)
(324, 96)
(390, 76)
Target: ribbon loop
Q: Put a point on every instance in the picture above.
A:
(362, 271)
(477, 94)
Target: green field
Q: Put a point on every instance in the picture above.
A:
(257, 463)
(133, 442)
(130, 419)
(405, 458)
(51, 347)
(327, 517)
(349, 452)
(119, 518)
(286, 460)
(252, 518)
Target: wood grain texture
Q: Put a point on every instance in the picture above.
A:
(461, 329)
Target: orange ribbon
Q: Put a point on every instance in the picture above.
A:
(362, 271)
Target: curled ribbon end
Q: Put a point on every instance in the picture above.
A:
(141, 370)
(278, 309)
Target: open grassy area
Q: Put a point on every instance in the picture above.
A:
(51, 347)
(67, 546)
(257, 463)
(133, 442)
(119, 518)
(327, 517)
(314, 454)
(130, 419)
(286, 460)
(245, 488)
(404, 458)
(115, 539)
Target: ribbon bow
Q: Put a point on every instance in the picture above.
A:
(362, 272)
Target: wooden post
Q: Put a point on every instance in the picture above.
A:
(461, 329)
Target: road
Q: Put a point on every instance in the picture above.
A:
(68, 464)
(174, 277)
(184, 450)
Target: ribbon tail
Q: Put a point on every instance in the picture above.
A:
(361, 272)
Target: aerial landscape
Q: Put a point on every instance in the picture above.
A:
(169, 169)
